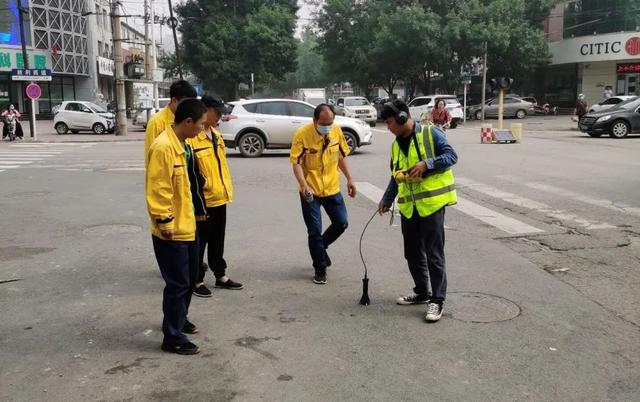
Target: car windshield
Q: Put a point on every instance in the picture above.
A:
(96, 108)
(356, 102)
(628, 104)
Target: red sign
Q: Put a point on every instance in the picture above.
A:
(34, 91)
(633, 46)
(628, 68)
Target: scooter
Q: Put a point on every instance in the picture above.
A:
(10, 121)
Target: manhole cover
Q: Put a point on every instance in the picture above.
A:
(111, 229)
(481, 307)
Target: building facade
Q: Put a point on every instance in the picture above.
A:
(593, 44)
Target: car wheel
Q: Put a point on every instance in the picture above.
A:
(595, 135)
(61, 128)
(479, 115)
(98, 128)
(351, 140)
(251, 145)
(454, 124)
(619, 129)
(372, 124)
(521, 114)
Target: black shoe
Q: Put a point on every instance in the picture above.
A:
(189, 328)
(320, 277)
(327, 260)
(202, 291)
(187, 348)
(229, 284)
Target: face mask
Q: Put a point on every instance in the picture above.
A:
(324, 130)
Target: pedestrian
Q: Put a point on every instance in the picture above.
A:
(440, 116)
(421, 177)
(318, 150)
(581, 107)
(608, 92)
(173, 222)
(178, 91)
(210, 154)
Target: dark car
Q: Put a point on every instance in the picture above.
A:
(618, 122)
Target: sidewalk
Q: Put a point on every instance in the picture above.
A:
(46, 133)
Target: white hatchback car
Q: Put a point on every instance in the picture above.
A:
(259, 124)
(424, 104)
(76, 116)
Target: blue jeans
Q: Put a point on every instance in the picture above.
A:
(319, 242)
(179, 266)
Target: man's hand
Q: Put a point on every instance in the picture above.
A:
(382, 208)
(418, 170)
(307, 190)
(168, 234)
(351, 187)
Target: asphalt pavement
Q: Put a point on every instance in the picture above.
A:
(543, 256)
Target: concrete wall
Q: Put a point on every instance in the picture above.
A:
(594, 78)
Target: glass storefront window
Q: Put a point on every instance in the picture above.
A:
(586, 17)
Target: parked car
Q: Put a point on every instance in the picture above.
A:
(424, 104)
(609, 103)
(140, 118)
(357, 107)
(513, 107)
(618, 121)
(76, 116)
(259, 124)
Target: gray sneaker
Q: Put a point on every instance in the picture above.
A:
(411, 299)
(434, 312)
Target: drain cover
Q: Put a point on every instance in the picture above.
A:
(481, 307)
(101, 230)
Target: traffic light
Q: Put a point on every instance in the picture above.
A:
(494, 84)
(505, 83)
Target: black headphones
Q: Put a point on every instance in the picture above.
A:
(401, 116)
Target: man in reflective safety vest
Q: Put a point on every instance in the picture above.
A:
(421, 160)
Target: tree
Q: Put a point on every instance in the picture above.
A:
(226, 41)
(169, 63)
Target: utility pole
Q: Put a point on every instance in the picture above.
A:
(484, 78)
(25, 61)
(154, 63)
(147, 49)
(121, 113)
(173, 24)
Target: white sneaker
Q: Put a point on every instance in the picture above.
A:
(411, 299)
(434, 312)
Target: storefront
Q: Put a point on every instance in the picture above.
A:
(106, 79)
(596, 61)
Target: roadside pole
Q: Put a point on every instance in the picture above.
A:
(484, 79)
(154, 62)
(121, 117)
(147, 50)
(25, 61)
(501, 108)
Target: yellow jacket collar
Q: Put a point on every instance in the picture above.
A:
(175, 142)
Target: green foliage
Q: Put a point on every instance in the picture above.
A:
(225, 41)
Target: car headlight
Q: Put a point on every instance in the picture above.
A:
(604, 118)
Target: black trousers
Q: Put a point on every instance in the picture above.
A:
(178, 262)
(211, 233)
(424, 251)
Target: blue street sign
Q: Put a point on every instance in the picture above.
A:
(30, 74)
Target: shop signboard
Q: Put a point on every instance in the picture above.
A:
(584, 49)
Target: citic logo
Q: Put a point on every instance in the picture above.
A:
(633, 46)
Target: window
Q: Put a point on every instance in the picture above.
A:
(356, 102)
(250, 107)
(273, 108)
(511, 100)
(72, 107)
(300, 110)
(419, 102)
(612, 101)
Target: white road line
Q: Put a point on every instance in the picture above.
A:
(531, 204)
(495, 219)
(31, 153)
(612, 205)
(53, 145)
(10, 166)
(132, 169)
(20, 158)
(14, 162)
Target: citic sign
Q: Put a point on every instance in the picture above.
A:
(632, 46)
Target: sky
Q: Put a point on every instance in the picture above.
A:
(164, 35)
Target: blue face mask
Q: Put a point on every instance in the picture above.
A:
(324, 130)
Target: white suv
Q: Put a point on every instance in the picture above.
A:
(357, 107)
(76, 116)
(424, 104)
(259, 124)
(140, 119)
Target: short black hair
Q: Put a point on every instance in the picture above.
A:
(388, 110)
(190, 108)
(182, 89)
(320, 108)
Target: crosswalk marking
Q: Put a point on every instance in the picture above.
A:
(31, 155)
(531, 204)
(503, 222)
(2, 162)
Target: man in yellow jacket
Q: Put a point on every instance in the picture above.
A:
(318, 150)
(210, 154)
(173, 223)
(179, 91)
